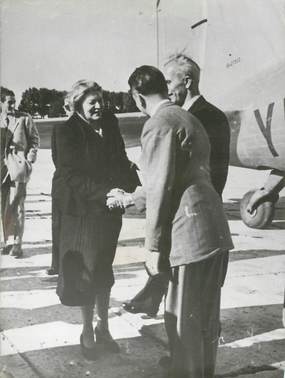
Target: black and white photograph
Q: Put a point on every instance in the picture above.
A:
(142, 227)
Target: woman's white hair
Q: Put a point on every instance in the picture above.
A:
(78, 91)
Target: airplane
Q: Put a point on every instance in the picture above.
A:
(240, 47)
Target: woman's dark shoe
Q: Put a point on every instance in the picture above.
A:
(138, 308)
(88, 353)
(16, 251)
(129, 307)
(6, 250)
(104, 338)
(52, 271)
(165, 362)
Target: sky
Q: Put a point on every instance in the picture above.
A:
(54, 43)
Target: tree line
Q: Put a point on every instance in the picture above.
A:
(43, 102)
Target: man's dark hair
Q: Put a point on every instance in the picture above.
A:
(4, 92)
(148, 80)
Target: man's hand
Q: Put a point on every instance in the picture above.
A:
(32, 155)
(119, 198)
(151, 262)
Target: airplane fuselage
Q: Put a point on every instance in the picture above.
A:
(258, 136)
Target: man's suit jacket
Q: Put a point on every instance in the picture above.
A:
(184, 214)
(22, 137)
(217, 127)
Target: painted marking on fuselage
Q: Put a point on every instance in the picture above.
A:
(266, 130)
(233, 62)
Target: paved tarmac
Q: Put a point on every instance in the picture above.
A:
(40, 337)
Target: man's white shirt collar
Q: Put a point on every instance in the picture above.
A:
(4, 117)
(189, 102)
(157, 106)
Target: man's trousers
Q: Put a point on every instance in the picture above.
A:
(13, 196)
(192, 316)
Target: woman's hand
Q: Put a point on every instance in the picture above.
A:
(119, 198)
(114, 203)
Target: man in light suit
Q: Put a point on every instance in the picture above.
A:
(19, 144)
(183, 75)
(185, 223)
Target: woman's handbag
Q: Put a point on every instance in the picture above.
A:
(18, 167)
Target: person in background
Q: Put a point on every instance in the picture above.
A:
(90, 159)
(182, 76)
(19, 145)
(185, 223)
(55, 227)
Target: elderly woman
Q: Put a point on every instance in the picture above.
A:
(90, 159)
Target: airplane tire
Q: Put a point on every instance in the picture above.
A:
(263, 214)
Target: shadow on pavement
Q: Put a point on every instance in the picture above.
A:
(253, 253)
(134, 360)
(243, 322)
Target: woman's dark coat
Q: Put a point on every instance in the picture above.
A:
(82, 178)
(87, 166)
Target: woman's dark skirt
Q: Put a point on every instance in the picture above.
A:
(87, 249)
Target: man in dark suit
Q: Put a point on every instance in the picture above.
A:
(185, 223)
(183, 75)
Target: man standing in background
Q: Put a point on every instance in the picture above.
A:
(183, 75)
(19, 144)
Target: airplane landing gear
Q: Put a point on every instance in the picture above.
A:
(257, 206)
(257, 213)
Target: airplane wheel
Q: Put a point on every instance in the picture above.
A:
(262, 214)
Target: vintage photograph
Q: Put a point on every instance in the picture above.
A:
(142, 227)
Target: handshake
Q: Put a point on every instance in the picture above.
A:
(118, 198)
